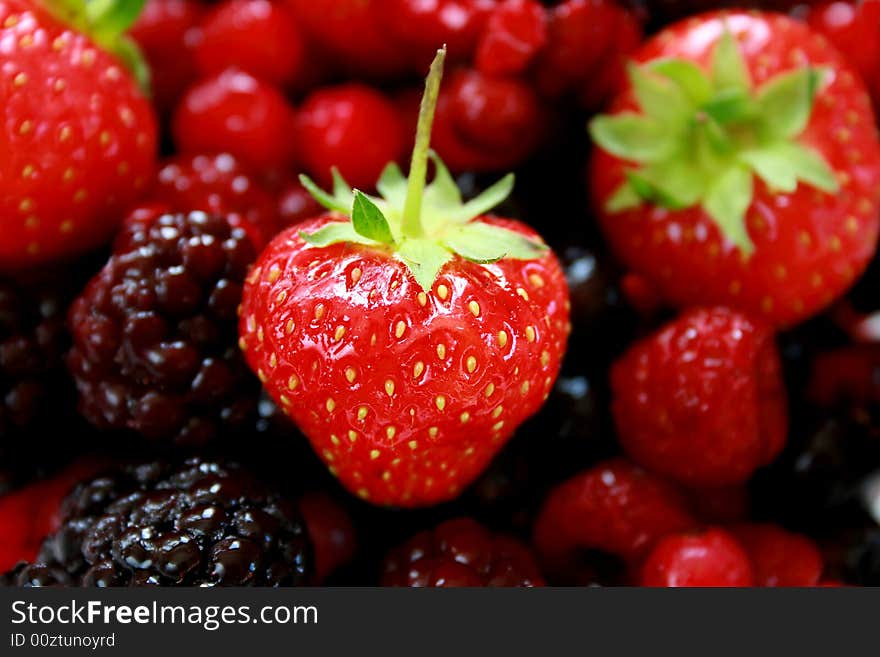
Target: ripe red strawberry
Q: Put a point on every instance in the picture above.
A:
(711, 557)
(78, 136)
(614, 507)
(410, 342)
(702, 401)
(853, 27)
(741, 167)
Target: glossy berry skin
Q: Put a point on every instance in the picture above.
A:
(405, 394)
(614, 507)
(218, 184)
(234, 112)
(702, 401)
(711, 557)
(352, 127)
(779, 557)
(165, 32)
(460, 552)
(487, 123)
(419, 28)
(256, 36)
(854, 29)
(155, 333)
(515, 33)
(587, 44)
(78, 137)
(809, 246)
(353, 33)
(197, 523)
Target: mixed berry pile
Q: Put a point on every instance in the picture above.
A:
(594, 303)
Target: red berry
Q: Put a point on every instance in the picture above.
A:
(354, 32)
(256, 36)
(166, 33)
(352, 127)
(515, 32)
(702, 401)
(419, 27)
(708, 558)
(78, 139)
(331, 532)
(460, 552)
(614, 507)
(234, 112)
(406, 393)
(854, 29)
(485, 123)
(217, 184)
(781, 242)
(587, 43)
(779, 557)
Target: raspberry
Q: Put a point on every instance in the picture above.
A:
(779, 557)
(615, 508)
(708, 558)
(460, 552)
(218, 184)
(155, 337)
(702, 401)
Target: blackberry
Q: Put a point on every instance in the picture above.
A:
(199, 523)
(461, 552)
(155, 332)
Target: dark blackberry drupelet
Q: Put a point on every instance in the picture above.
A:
(200, 523)
(461, 552)
(155, 333)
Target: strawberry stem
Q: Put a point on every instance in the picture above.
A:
(418, 171)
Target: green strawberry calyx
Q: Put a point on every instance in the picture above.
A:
(700, 139)
(423, 225)
(106, 23)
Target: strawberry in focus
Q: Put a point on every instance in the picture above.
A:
(78, 135)
(410, 341)
(741, 167)
(702, 401)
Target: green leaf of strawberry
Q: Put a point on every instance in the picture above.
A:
(407, 334)
(700, 139)
(741, 167)
(425, 225)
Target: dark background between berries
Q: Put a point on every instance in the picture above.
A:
(813, 488)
